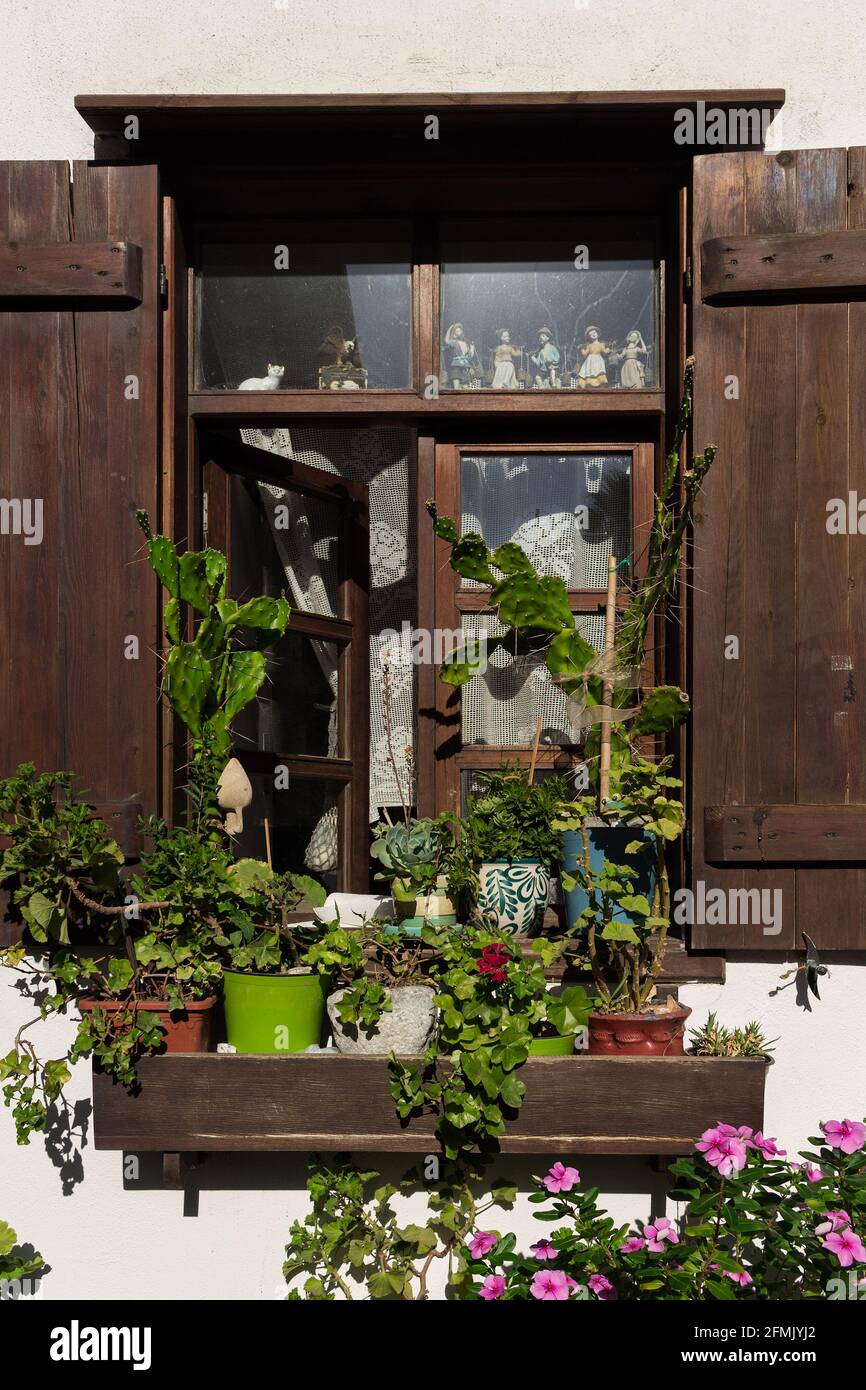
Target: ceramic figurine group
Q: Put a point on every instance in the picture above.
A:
(545, 371)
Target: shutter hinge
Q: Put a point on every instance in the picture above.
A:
(204, 512)
(687, 837)
(163, 283)
(687, 275)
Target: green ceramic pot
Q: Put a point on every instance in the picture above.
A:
(552, 1047)
(273, 1013)
(513, 893)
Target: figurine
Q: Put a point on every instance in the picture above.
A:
(345, 373)
(504, 375)
(347, 351)
(270, 382)
(593, 369)
(632, 372)
(546, 360)
(462, 366)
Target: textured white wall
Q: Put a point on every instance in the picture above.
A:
(107, 1241)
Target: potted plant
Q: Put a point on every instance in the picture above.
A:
(143, 968)
(274, 998)
(495, 1010)
(414, 857)
(507, 847)
(385, 1002)
(715, 1040)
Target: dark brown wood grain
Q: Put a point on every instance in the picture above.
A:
(795, 834)
(78, 430)
(205, 1103)
(776, 724)
(50, 270)
(776, 264)
(263, 406)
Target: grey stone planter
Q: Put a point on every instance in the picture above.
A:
(406, 1030)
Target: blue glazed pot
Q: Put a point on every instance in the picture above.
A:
(608, 842)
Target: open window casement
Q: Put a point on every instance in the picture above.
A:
(778, 771)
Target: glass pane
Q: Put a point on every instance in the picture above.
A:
(303, 821)
(329, 311)
(284, 543)
(563, 304)
(569, 512)
(296, 708)
(503, 704)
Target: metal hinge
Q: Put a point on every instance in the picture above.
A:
(687, 837)
(163, 283)
(687, 275)
(204, 512)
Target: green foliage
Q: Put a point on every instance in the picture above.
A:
(259, 936)
(715, 1040)
(15, 1265)
(626, 958)
(510, 818)
(493, 1001)
(366, 963)
(413, 855)
(209, 678)
(353, 1244)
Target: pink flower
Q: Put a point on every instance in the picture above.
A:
(481, 1244)
(768, 1147)
(744, 1279)
(493, 1287)
(633, 1243)
(847, 1135)
(561, 1179)
(812, 1173)
(846, 1246)
(543, 1250)
(551, 1285)
(837, 1222)
(658, 1232)
(724, 1148)
(601, 1287)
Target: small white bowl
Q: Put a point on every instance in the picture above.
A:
(355, 909)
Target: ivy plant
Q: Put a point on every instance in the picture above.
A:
(15, 1265)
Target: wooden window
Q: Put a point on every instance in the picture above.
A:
(570, 508)
(291, 529)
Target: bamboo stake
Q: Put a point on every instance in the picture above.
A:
(268, 843)
(607, 696)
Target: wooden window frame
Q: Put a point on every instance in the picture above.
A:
(450, 601)
(220, 459)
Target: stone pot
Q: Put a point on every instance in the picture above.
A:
(513, 893)
(406, 1029)
(658, 1034)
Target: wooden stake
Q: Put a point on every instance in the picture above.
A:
(535, 749)
(607, 695)
(268, 843)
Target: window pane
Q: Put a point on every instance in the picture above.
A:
(569, 512)
(296, 708)
(289, 297)
(553, 303)
(303, 821)
(283, 542)
(503, 705)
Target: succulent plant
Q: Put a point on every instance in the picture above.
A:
(412, 854)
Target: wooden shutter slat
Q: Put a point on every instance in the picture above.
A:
(100, 270)
(785, 834)
(776, 264)
(778, 727)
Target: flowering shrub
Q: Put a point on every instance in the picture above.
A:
(756, 1225)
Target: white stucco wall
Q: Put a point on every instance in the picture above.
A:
(105, 1241)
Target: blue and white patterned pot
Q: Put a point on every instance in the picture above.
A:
(513, 893)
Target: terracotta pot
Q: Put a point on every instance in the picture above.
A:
(638, 1035)
(186, 1031)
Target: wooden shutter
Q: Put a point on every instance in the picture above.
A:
(778, 781)
(79, 430)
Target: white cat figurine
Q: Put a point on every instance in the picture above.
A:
(270, 382)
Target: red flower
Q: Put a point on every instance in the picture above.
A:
(492, 962)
